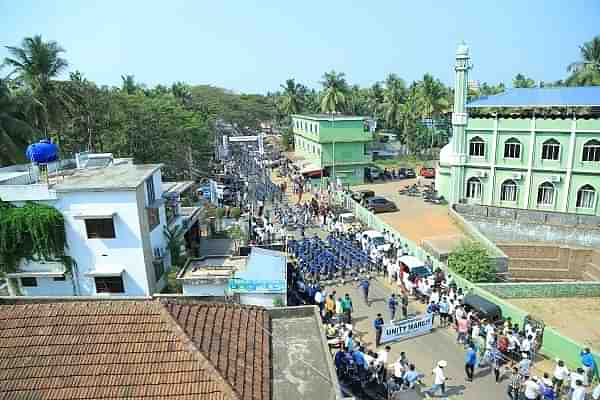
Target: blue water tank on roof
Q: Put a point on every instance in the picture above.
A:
(42, 152)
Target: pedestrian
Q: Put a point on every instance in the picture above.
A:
(364, 286)
(531, 388)
(439, 379)
(575, 377)
(349, 342)
(347, 308)
(404, 305)
(392, 304)
(524, 365)
(329, 307)
(463, 330)
(515, 386)
(378, 325)
(596, 393)
(579, 391)
(589, 366)
(470, 361)
(561, 373)
(382, 358)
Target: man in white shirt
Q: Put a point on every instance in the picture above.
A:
(596, 393)
(439, 379)
(532, 388)
(578, 391)
(382, 358)
(575, 377)
(561, 374)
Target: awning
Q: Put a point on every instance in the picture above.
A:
(30, 274)
(310, 167)
(93, 214)
(106, 270)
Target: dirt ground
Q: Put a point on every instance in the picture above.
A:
(415, 219)
(577, 318)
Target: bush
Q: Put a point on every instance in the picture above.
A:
(472, 262)
(220, 213)
(235, 212)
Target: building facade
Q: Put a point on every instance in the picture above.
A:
(115, 217)
(336, 145)
(535, 149)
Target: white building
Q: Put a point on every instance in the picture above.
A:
(114, 214)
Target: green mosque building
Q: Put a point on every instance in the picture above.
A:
(534, 149)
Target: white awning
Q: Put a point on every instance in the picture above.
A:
(310, 167)
(106, 270)
(93, 214)
(31, 274)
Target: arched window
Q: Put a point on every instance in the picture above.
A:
(476, 147)
(550, 150)
(586, 197)
(474, 189)
(512, 148)
(591, 151)
(545, 194)
(508, 190)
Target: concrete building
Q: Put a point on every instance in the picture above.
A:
(532, 149)
(259, 279)
(335, 145)
(115, 214)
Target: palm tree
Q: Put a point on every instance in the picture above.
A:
(375, 99)
(128, 84)
(15, 133)
(394, 96)
(334, 92)
(587, 71)
(292, 97)
(432, 97)
(36, 64)
(521, 81)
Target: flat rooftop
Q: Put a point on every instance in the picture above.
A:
(415, 219)
(298, 342)
(212, 267)
(114, 177)
(329, 117)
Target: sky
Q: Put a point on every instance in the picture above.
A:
(253, 46)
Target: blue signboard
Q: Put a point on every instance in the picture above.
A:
(256, 286)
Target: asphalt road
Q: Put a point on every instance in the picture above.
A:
(424, 351)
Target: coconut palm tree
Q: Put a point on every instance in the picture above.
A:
(15, 133)
(587, 71)
(432, 97)
(335, 88)
(35, 65)
(394, 95)
(128, 84)
(292, 98)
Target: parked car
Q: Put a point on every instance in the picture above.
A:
(427, 172)
(377, 239)
(410, 173)
(401, 173)
(361, 195)
(379, 204)
(372, 173)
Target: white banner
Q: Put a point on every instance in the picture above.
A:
(407, 328)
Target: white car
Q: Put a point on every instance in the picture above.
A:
(348, 220)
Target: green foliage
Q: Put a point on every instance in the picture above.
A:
(335, 89)
(235, 213)
(287, 136)
(586, 72)
(175, 240)
(173, 285)
(472, 262)
(220, 213)
(277, 302)
(521, 81)
(31, 232)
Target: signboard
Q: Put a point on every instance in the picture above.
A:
(407, 328)
(257, 286)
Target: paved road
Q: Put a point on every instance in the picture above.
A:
(425, 350)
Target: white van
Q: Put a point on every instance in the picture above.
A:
(377, 239)
(414, 266)
(348, 220)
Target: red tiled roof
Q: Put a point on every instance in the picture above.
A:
(235, 339)
(131, 349)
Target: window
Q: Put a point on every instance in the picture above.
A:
(59, 278)
(545, 194)
(476, 147)
(591, 151)
(109, 284)
(28, 282)
(153, 218)
(150, 190)
(586, 197)
(101, 228)
(474, 189)
(508, 191)
(512, 148)
(159, 269)
(550, 150)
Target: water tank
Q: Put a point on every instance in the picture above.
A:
(42, 152)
